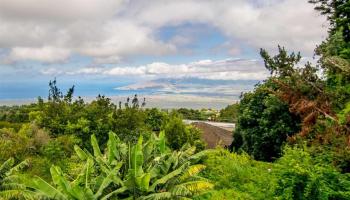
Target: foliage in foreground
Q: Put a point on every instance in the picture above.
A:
(146, 170)
(9, 186)
(295, 176)
(35, 145)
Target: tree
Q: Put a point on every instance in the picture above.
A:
(229, 113)
(178, 134)
(338, 15)
(263, 125)
(155, 119)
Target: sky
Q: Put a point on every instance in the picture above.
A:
(185, 51)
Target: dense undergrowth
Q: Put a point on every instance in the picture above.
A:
(296, 175)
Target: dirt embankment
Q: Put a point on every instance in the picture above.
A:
(213, 135)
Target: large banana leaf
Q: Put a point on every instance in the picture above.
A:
(167, 177)
(45, 189)
(95, 146)
(141, 171)
(161, 142)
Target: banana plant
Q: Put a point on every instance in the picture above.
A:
(145, 170)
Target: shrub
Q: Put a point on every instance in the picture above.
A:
(178, 134)
(155, 119)
(301, 177)
(13, 145)
(239, 176)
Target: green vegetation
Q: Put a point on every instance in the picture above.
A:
(292, 139)
(227, 114)
(263, 125)
(296, 175)
(178, 134)
(142, 171)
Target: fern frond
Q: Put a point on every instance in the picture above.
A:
(18, 167)
(6, 166)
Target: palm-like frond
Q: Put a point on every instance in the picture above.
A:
(10, 183)
(6, 166)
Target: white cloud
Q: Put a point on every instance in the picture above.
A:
(58, 10)
(119, 71)
(87, 27)
(51, 71)
(44, 54)
(261, 24)
(110, 30)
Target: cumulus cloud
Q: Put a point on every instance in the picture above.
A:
(34, 30)
(44, 54)
(110, 30)
(292, 23)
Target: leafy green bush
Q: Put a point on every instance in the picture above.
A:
(263, 125)
(229, 113)
(296, 175)
(155, 119)
(178, 134)
(6, 124)
(301, 176)
(239, 176)
(13, 145)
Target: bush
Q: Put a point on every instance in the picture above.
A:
(155, 119)
(13, 145)
(301, 177)
(179, 134)
(296, 175)
(229, 113)
(239, 176)
(264, 124)
(5, 124)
